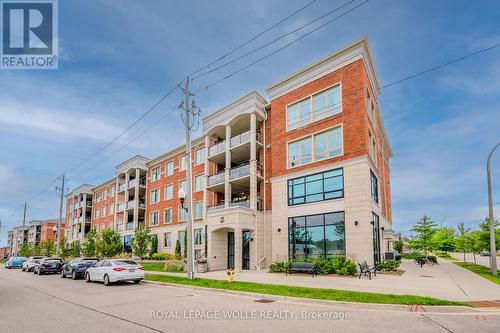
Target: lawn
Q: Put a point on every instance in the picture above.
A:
(446, 256)
(479, 270)
(157, 267)
(3, 261)
(304, 292)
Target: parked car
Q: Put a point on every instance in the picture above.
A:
(77, 267)
(15, 262)
(48, 265)
(114, 270)
(30, 263)
(484, 253)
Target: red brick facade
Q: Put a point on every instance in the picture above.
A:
(103, 204)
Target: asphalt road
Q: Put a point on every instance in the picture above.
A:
(32, 303)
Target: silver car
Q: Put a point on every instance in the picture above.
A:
(30, 263)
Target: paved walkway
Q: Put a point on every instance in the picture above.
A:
(484, 261)
(446, 281)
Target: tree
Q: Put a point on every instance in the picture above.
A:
(109, 244)
(64, 249)
(485, 234)
(178, 249)
(475, 243)
(444, 239)
(398, 246)
(141, 241)
(47, 248)
(461, 242)
(89, 248)
(75, 249)
(154, 245)
(26, 250)
(424, 230)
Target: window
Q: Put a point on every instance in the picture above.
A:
(119, 225)
(197, 236)
(155, 174)
(111, 209)
(154, 218)
(198, 210)
(316, 236)
(104, 211)
(199, 156)
(169, 168)
(169, 192)
(112, 191)
(318, 187)
(372, 147)
(182, 214)
(96, 214)
(376, 237)
(182, 185)
(105, 195)
(167, 215)
(313, 108)
(180, 237)
(155, 196)
(182, 163)
(167, 239)
(326, 144)
(370, 108)
(98, 197)
(374, 186)
(198, 183)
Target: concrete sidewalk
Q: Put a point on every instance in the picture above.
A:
(446, 281)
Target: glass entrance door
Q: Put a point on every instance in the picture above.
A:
(230, 250)
(376, 238)
(246, 250)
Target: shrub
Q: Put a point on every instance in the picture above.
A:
(432, 258)
(122, 255)
(162, 256)
(414, 255)
(348, 268)
(398, 257)
(174, 265)
(278, 267)
(388, 265)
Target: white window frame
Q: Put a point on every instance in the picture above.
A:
(200, 151)
(182, 166)
(171, 192)
(164, 215)
(180, 210)
(169, 171)
(155, 174)
(111, 209)
(165, 244)
(200, 177)
(180, 184)
(157, 196)
(157, 214)
(97, 213)
(194, 210)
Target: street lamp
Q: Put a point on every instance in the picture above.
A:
(182, 197)
(493, 249)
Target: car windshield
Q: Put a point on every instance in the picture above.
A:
(89, 261)
(53, 260)
(125, 262)
(19, 258)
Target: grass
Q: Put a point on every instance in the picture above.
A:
(3, 261)
(156, 267)
(479, 270)
(446, 256)
(304, 292)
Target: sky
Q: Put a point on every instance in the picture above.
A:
(116, 58)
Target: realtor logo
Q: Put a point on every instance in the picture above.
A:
(29, 34)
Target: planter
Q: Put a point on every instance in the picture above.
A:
(202, 265)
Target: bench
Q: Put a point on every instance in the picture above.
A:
(366, 270)
(306, 267)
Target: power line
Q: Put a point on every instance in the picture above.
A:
(274, 40)
(439, 66)
(252, 39)
(281, 48)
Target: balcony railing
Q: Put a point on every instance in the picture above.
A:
(89, 203)
(131, 183)
(239, 171)
(121, 187)
(240, 139)
(216, 179)
(216, 207)
(217, 148)
(121, 206)
(245, 203)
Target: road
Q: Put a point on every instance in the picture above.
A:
(485, 261)
(32, 303)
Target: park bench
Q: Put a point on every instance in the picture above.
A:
(306, 267)
(366, 270)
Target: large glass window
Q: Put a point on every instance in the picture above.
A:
(154, 196)
(169, 168)
(300, 152)
(374, 186)
(200, 156)
(315, 147)
(182, 185)
(198, 183)
(167, 215)
(313, 108)
(318, 187)
(155, 174)
(182, 214)
(182, 163)
(197, 236)
(154, 218)
(198, 210)
(167, 239)
(316, 236)
(169, 192)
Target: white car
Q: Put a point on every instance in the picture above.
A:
(30, 263)
(114, 270)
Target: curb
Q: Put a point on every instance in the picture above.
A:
(430, 309)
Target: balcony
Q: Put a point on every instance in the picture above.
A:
(217, 148)
(121, 187)
(89, 204)
(131, 183)
(216, 179)
(121, 207)
(245, 204)
(239, 171)
(216, 207)
(240, 139)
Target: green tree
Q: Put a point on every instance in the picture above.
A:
(26, 250)
(444, 239)
(485, 234)
(90, 244)
(422, 239)
(177, 249)
(75, 249)
(462, 240)
(154, 245)
(398, 246)
(47, 248)
(64, 250)
(141, 241)
(475, 243)
(109, 244)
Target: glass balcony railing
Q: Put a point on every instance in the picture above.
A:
(245, 203)
(121, 207)
(216, 179)
(121, 187)
(131, 183)
(216, 207)
(217, 148)
(239, 171)
(240, 139)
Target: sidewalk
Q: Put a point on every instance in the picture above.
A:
(446, 281)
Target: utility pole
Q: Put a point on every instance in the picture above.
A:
(189, 192)
(493, 249)
(58, 237)
(24, 214)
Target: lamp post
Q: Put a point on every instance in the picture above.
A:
(493, 250)
(190, 244)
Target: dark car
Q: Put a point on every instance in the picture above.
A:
(77, 267)
(48, 265)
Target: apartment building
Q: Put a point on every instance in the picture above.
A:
(44, 230)
(303, 174)
(103, 205)
(17, 237)
(78, 212)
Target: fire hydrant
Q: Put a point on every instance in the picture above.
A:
(230, 273)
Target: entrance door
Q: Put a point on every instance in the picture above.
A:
(230, 250)
(376, 238)
(246, 250)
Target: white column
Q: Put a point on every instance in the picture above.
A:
(227, 187)
(136, 198)
(84, 214)
(205, 178)
(253, 161)
(125, 200)
(116, 203)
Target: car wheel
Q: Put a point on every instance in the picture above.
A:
(87, 278)
(73, 275)
(40, 272)
(106, 280)
(62, 274)
(137, 281)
